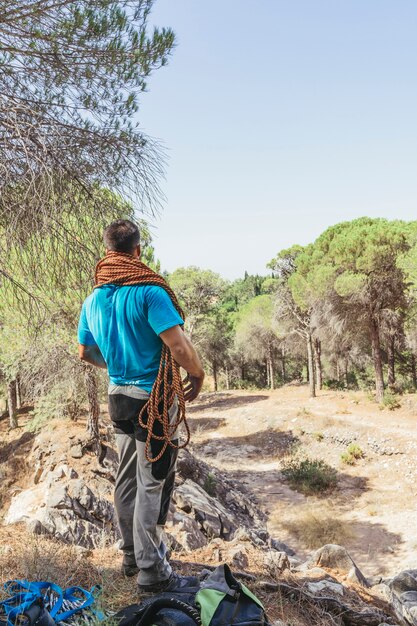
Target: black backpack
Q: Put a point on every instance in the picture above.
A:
(220, 600)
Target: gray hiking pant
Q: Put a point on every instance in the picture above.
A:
(143, 490)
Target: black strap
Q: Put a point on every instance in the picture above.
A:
(153, 608)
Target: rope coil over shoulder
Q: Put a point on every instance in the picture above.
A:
(117, 268)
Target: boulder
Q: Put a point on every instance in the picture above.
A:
(403, 596)
(186, 531)
(68, 510)
(336, 557)
(325, 586)
(25, 504)
(213, 518)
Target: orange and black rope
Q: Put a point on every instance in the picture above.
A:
(117, 268)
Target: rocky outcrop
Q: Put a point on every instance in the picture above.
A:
(68, 510)
(80, 511)
(230, 495)
(403, 596)
(211, 515)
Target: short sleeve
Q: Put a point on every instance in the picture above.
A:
(85, 337)
(162, 314)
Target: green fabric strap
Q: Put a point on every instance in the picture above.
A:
(208, 600)
(249, 593)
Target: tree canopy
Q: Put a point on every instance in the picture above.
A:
(71, 75)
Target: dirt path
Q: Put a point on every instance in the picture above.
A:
(373, 512)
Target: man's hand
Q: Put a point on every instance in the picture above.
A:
(185, 355)
(192, 386)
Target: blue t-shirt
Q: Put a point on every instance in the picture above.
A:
(124, 322)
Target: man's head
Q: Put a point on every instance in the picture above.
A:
(122, 236)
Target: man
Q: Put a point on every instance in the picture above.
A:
(123, 326)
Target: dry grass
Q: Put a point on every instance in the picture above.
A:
(34, 557)
(314, 527)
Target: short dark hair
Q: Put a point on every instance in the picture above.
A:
(121, 236)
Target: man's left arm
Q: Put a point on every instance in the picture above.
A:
(88, 350)
(91, 354)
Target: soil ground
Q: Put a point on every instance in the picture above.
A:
(249, 434)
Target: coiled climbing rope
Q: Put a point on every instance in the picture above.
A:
(117, 268)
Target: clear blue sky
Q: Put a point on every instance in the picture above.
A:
(281, 117)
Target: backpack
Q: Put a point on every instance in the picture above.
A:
(219, 600)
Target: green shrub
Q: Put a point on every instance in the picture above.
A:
(352, 454)
(391, 401)
(333, 384)
(309, 476)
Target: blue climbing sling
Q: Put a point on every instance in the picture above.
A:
(46, 604)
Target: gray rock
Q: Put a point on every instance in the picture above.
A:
(213, 518)
(317, 588)
(186, 531)
(110, 461)
(35, 527)
(280, 546)
(63, 471)
(76, 451)
(277, 561)
(68, 510)
(237, 557)
(403, 596)
(242, 534)
(338, 558)
(57, 498)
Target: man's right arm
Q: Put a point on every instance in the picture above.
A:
(186, 356)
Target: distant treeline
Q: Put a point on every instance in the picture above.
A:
(340, 312)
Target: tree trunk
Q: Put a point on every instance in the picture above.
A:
(310, 358)
(317, 363)
(214, 369)
(11, 403)
(242, 371)
(271, 370)
(414, 371)
(93, 407)
(283, 366)
(337, 370)
(376, 356)
(227, 378)
(268, 374)
(18, 393)
(346, 372)
(391, 362)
